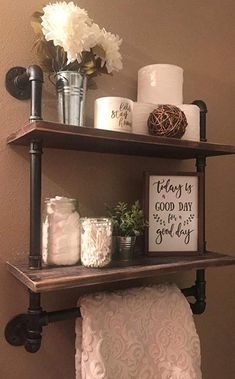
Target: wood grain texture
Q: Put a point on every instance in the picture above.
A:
(71, 137)
(50, 279)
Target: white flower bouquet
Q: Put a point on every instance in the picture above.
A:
(67, 39)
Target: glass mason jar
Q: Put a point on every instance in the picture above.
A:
(96, 241)
(61, 232)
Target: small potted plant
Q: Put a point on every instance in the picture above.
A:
(128, 223)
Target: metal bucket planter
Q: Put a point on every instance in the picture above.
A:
(125, 247)
(71, 92)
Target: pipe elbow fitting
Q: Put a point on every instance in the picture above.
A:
(35, 73)
(198, 307)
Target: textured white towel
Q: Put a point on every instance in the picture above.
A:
(139, 333)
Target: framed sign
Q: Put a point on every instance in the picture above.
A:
(172, 210)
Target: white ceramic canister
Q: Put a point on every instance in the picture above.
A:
(114, 113)
(160, 84)
(61, 232)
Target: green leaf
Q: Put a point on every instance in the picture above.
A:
(99, 51)
(36, 22)
(127, 220)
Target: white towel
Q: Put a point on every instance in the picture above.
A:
(139, 333)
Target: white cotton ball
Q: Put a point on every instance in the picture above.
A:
(61, 233)
(96, 242)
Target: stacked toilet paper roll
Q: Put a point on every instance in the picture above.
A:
(141, 113)
(114, 113)
(160, 84)
(192, 113)
(157, 84)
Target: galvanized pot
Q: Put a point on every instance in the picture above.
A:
(71, 92)
(125, 247)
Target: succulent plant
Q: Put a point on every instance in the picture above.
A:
(128, 220)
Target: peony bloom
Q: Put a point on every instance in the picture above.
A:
(110, 44)
(68, 26)
(69, 34)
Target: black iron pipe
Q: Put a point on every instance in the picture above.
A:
(200, 284)
(35, 205)
(33, 336)
(200, 305)
(64, 314)
(34, 300)
(203, 111)
(198, 291)
(188, 292)
(26, 84)
(35, 77)
(201, 164)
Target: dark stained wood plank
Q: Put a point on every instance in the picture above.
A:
(50, 279)
(71, 137)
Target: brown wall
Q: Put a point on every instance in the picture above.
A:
(197, 35)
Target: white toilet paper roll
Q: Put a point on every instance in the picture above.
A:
(141, 113)
(160, 84)
(114, 113)
(192, 113)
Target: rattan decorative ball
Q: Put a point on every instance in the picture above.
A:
(167, 121)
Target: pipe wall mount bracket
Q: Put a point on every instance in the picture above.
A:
(17, 83)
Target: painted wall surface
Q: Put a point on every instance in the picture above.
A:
(197, 35)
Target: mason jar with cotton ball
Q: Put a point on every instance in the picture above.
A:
(61, 232)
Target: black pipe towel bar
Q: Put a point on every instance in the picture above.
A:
(25, 329)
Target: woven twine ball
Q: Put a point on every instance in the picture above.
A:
(167, 121)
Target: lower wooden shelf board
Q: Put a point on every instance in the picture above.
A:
(51, 279)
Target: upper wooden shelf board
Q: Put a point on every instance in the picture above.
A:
(71, 137)
(51, 279)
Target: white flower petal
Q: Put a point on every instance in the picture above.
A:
(68, 26)
(111, 45)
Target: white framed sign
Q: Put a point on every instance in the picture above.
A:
(172, 210)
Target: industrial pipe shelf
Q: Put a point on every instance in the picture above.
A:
(25, 329)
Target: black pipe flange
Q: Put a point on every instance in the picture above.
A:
(16, 329)
(20, 89)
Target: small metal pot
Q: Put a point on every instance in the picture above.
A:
(71, 91)
(125, 247)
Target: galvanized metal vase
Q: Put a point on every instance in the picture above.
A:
(71, 92)
(125, 247)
